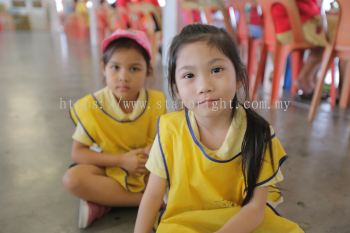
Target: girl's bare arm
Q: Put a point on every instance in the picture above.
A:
(133, 161)
(150, 204)
(254, 211)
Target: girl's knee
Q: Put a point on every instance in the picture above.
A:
(71, 179)
(75, 178)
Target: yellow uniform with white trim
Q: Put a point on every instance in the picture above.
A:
(205, 191)
(115, 136)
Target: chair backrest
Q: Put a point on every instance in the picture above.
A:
(293, 15)
(342, 38)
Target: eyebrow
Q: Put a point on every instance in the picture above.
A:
(215, 60)
(211, 62)
(185, 68)
(132, 64)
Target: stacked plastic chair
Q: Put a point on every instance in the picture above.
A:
(281, 51)
(249, 44)
(339, 46)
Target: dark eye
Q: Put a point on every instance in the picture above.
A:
(134, 69)
(115, 67)
(217, 70)
(188, 76)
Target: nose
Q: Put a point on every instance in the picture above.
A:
(204, 85)
(123, 75)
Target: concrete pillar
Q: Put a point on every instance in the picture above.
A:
(170, 25)
(55, 24)
(93, 22)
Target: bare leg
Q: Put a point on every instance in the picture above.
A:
(309, 71)
(90, 183)
(342, 70)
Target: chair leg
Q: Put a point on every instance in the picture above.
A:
(344, 97)
(243, 50)
(327, 58)
(252, 59)
(332, 89)
(296, 58)
(279, 66)
(260, 73)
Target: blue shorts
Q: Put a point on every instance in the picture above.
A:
(255, 31)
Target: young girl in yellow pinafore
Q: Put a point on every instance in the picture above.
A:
(115, 128)
(216, 163)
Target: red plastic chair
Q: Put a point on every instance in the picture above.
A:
(338, 47)
(332, 92)
(295, 48)
(268, 45)
(228, 21)
(249, 44)
(242, 26)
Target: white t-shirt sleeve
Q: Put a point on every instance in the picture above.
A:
(81, 136)
(155, 162)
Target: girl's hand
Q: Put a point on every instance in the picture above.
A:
(147, 149)
(134, 162)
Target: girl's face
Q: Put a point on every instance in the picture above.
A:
(126, 73)
(205, 79)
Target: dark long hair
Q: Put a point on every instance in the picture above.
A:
(257, 136)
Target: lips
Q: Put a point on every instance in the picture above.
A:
(207, 101)
(123, 88)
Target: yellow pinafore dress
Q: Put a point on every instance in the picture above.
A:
(118, 137)
(205, 192)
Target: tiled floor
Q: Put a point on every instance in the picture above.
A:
(40, 74)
